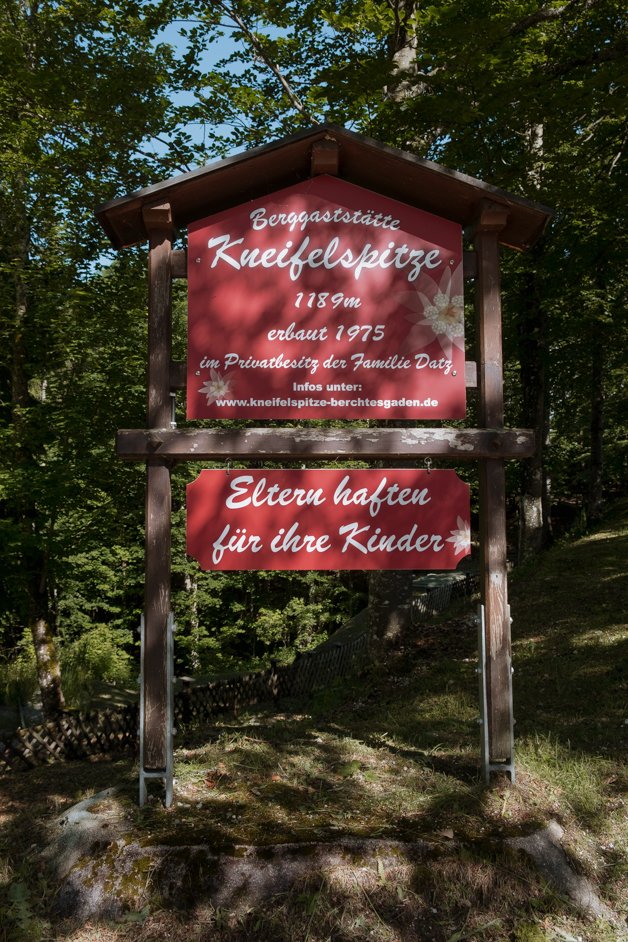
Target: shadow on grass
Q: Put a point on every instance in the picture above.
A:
(394, 754)
(570, 645)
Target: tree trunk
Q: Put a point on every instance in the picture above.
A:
(534, 501)
(34, 560)
(48, 669)
(191, 587)
(596, 461)
(403, 45)
(390, 607)
(390, 591)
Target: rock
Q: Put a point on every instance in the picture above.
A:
(88, 828)
(103, 870)
(545, 849)
(129, 876)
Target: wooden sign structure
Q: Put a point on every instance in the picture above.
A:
(490, 218)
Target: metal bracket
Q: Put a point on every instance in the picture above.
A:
(487, 765)
(167, 774)
(173, 410)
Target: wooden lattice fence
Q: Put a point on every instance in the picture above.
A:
(197, 704)
(78, 735)
(75, 735)
(436, 598)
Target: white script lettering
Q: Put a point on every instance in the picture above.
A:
(388, 543)
(382, 494)
(262, 493)
(334, 254)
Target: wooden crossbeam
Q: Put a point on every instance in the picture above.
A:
(319, 444)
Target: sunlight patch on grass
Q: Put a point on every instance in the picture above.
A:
(576, 778)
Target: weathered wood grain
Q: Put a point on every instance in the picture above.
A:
(325, 157)
(159, 224)
(493, 573)
(323, 443)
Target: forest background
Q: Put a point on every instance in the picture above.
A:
(97, 100)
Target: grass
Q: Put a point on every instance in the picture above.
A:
(393, 755)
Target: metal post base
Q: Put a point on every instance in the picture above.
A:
(487, 766)
(167, 774)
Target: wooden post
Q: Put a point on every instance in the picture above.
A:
(158, 221)
(325, 157)
(491, 220)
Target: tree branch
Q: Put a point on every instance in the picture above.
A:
(617, 157)
(545, 14)
(605, 54)
(292, 96)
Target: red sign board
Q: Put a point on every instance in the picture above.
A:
(325, 300)
(328, 519)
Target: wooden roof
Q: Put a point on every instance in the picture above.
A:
(365, 162)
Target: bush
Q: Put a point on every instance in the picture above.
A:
(97, 656)
(18, 675)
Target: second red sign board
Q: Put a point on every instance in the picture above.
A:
(328, 519)
(325, 300)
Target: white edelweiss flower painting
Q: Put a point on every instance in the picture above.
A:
(461, 538)
(445, 315)
(437, 313)
(215, 388)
